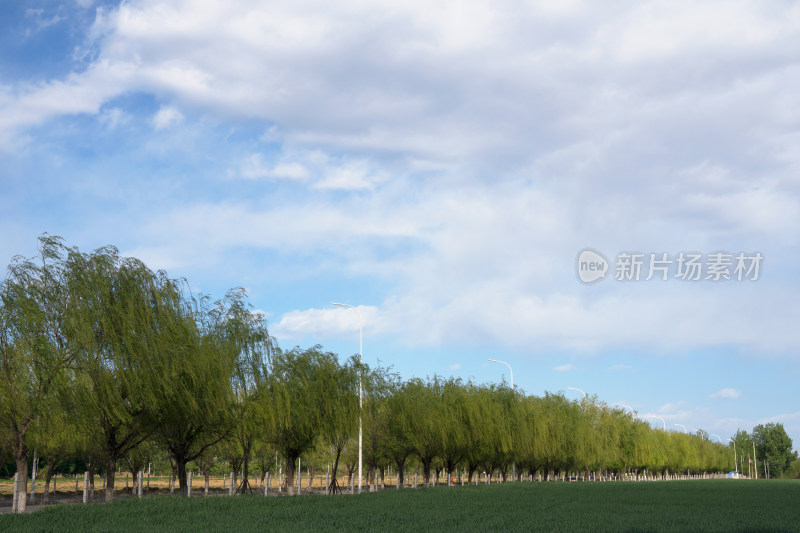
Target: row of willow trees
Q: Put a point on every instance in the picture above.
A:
(103, 359)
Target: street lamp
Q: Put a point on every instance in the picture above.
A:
(662, 420)
(682, 426)
(583, 406)
(360, 394)
(581, 391)
(718, 438)
(633, 413)
(735, 466)
(509, 369)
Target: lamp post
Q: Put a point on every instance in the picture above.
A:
(718, 437)
(579, 390)
(682, 426)
(509, 369)
(633, 413)
(360, 393)
(735, 466)
(662, 420)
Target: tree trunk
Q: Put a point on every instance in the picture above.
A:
(245, 469)
(333, 486)
(371, 478)
(22, 485)
(291, 465)
(426, 472)
(311, 471)
(183, 484)
(51, 465)
(111, 469)
(401, 472)
(91, 483)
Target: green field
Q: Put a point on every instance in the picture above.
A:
(710, 505)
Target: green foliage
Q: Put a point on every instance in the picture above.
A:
(298, 402)
(35, 351)
(774, 446)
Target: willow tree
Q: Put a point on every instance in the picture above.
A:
(483, 421)
(422, 421)
(559, 419)
(292, 395)
(453, 418)
(524, 438)
(610, 424)
(339, 409)
(198, 360)
(246, 334)
(125, 319)
(35, 353)
(379, 384)
(399, 446)
(502, 406)
(55, 438)
(589, 444)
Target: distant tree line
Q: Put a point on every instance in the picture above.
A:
(767, 452)
(105, 364)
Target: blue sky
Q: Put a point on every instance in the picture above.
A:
(440, 165)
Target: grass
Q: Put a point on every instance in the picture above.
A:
(704, 505)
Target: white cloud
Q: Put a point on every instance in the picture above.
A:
(322, 323)
(113, 117)
(456, 366)
(26, 105)
(41, 19)
(565, 368)
(349, 176)
(325, 172)
(254, 167)
(504, 282)
(727, 393)
(485, 145)
(166, 117)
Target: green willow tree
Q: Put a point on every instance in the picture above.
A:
(422, 422)
(399, 446)
(293, 397)
(339, 409)
(197, 409)
(378, 386)
(246, 332)
(454, 406)
(35, 352)
(124, 317)
(56, 438)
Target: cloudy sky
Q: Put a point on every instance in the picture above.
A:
(440, 165)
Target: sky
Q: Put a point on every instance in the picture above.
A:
(441, 166)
